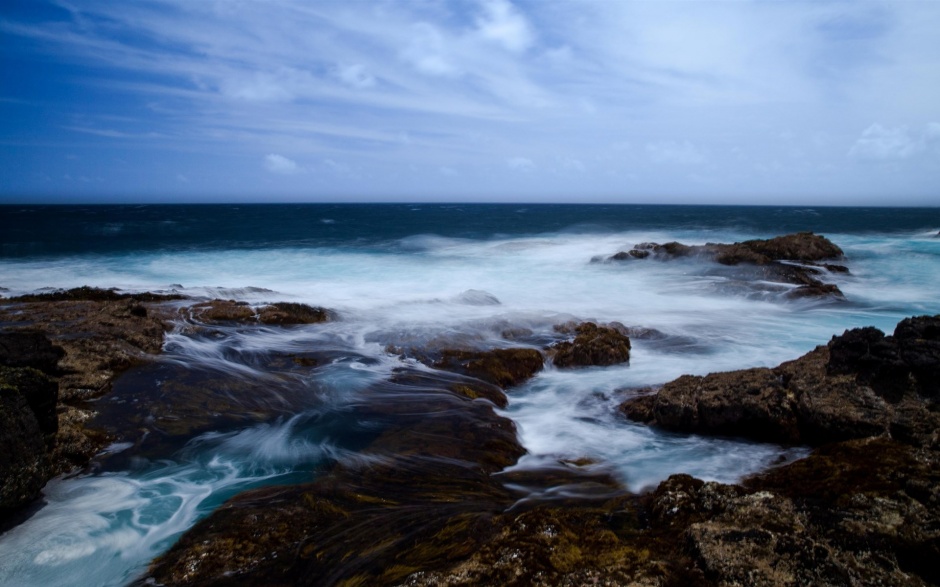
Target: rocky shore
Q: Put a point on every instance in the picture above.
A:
(431, 502)
(861, 509)
(62, 350)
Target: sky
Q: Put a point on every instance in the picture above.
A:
(691, 102)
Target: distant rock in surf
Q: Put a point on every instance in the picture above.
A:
(774, 257)
(476, 297)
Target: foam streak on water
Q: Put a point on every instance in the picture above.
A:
(106, 528)
(438, 288)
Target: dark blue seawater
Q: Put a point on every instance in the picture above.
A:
(102, 229)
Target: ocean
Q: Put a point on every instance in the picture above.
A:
(429, 276)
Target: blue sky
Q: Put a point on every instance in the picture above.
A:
(747, 101)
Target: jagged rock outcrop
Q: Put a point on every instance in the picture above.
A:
(862, 384)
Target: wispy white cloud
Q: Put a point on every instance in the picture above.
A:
(428, 53)
(503, 23)
(355, 75)
(520, 164)
(683, 153)
(890, 144)
(280, 164)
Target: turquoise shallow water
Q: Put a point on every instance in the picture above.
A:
(417, 275)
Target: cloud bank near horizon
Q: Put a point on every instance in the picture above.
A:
(715, 102)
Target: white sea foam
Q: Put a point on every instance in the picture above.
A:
(105, 528)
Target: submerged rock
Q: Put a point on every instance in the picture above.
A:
(476, 297)
(593, 345)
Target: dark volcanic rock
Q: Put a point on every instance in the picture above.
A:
(95, 335)
(860, 512)
(593, 345)
(658, 251)
(25, 348)
(221, 311)
(24, 464)
(860, 385)
(801, 246)
(751, 403)
(892, 365)
(100, 338)
(41, 394)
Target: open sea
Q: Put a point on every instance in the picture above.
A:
(424, 276)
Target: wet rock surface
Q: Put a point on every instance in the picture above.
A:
(280, 313)
(861, 384)
(502, 367)
(593, 345)
(431, 507)
(793, 259)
